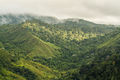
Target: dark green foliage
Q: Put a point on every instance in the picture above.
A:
(29, 75)
(105, 65)
(5, 58)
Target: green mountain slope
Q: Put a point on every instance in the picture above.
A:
(105, 65)
(23, 47)
(23, 69)
(5, 61)
(41, 51)
(73, 38)
(24, 42)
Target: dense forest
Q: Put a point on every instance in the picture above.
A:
(46, 48)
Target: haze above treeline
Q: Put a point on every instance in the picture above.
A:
(98, 11)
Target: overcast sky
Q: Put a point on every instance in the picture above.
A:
(99, 11)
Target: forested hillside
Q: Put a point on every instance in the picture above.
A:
(105, 65)
(71, 49)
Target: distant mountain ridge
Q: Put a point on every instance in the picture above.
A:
(19, 18)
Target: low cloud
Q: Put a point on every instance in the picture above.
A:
(99, 11)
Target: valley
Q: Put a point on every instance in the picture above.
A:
(46, 48)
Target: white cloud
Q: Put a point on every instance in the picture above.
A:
(100, 11)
